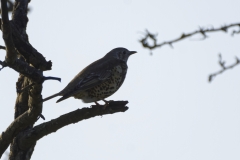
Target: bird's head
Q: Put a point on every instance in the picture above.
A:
(120, 53)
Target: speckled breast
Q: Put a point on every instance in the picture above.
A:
(108, 87)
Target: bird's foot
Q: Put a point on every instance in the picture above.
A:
(97, 103)
(106, 103)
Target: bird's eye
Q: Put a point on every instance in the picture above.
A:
(124, 52)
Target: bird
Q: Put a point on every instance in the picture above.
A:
(98, 80)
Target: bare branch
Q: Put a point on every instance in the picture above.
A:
(202, 31)
(20, 37)
(11, 53)
(32, 84)
(24, 120)
(46, 128)
(235, 32)
(34, 74)
(9, 5)
(4, 11)
(3, 64)
(27, 50)
(224, 68)
(31, 55)
(19, 16)
(2, 47)
(16, 42)
(30, 72)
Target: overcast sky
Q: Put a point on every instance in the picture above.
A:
(174, 113)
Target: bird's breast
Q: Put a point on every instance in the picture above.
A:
(118, 69)
(107, 87)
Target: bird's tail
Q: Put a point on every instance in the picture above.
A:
(50, 97)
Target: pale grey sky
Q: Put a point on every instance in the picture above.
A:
(174, 113)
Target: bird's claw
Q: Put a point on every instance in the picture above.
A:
(97, 103)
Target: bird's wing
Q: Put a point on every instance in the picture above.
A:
(89, 77)
(94, 79)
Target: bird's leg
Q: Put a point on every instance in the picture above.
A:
(106, 103)
(97, 103)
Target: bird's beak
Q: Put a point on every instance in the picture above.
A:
(132, 52)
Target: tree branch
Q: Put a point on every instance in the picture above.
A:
(11, 53)
(34, 74)
(2, 47)
(31, 55)
(202, 31)
(19, 16)
(224, 68)
(30, 72)
(3, 64)
(20, 37)
(4, 11)
(24, 120)
(46, 128)
(9, 5)
(29, 100)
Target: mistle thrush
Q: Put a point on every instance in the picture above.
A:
(98, 80)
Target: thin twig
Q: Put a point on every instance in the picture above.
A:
(201, 30)
(3, 64)
(44, 78)
(224, 68)
(52, 78)
(3, 47)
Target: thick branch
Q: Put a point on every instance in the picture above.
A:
(16, 42)
(9, 5)
(28, 71)
(19, 16)
(24, 120)
(73, 117)
(2, 47)
(20, 37)
(27, 50)
(21, 106)
(202, 31)
(31, 55)
(224, 68)
(4, 11)
(11, 53)
(32, 73)
(3, 64)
